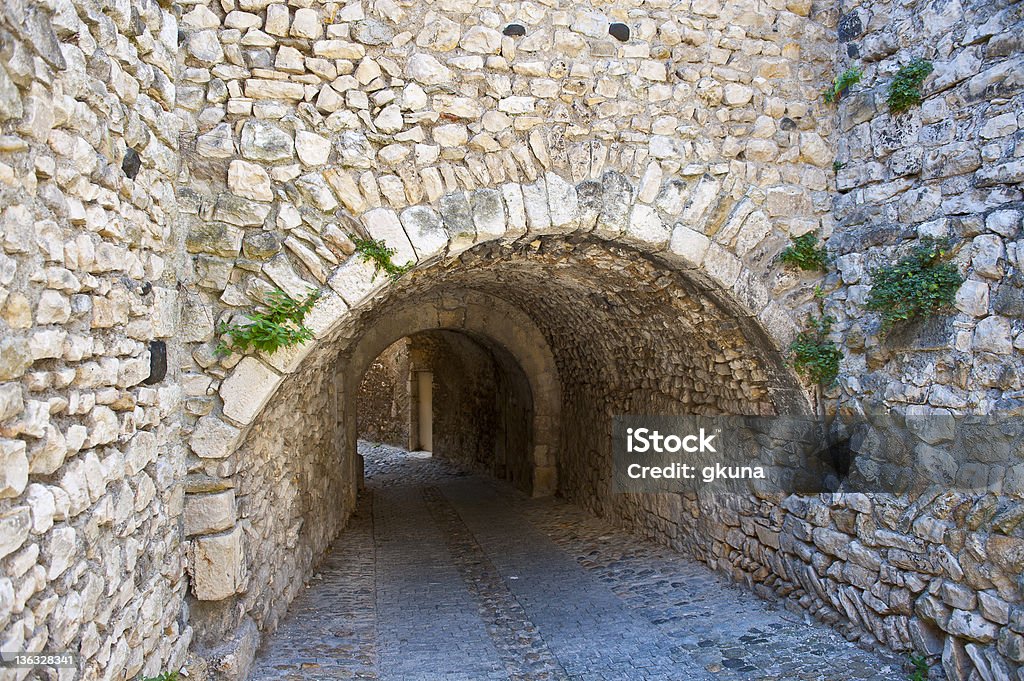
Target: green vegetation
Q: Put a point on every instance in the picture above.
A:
(805, 253)
(279, 324)
(163, 676)
(905, 88)
(920, 663)
(919, 285)
(837, 166)
(814, 355)
(843, 81)
(377, 252)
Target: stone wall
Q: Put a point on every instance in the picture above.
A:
(601, 191)
(384, 400)
(949, 168)
(90, 459)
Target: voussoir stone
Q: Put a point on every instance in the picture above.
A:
(425, 229)
(247, 389)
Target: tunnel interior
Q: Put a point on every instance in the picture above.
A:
(626, 335)
(462, 397)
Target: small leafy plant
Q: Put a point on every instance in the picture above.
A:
(842, 82)
(377, 252)
(814, 354)
(805, 253)
(279, 324)
(920, 663)
(905, 88)
(163, 676)
(921, 284)
(837, 166)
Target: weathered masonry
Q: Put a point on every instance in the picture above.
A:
(592, 197)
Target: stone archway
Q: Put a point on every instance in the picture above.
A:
(705, 302)
(488, 317)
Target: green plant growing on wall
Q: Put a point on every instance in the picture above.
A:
(163, 676)
(905, 88)
(814, 355)
(278, 324)
(842, 82)
(377, 252)
(837, 166)
(805, 253)
(921, 284)
(920, 663)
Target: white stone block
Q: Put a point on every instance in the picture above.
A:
(355, 279)
(209, 513)
(215, 562)
(425, 230)
(383, 224)
(646, 229)
(247, 389)
(691, 246)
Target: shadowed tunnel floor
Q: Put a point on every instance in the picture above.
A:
(447, 575)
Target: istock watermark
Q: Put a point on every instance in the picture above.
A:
(893, 453)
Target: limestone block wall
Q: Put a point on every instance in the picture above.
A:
(949, 168)
(384, 399)
(163, 166)
(91, 557)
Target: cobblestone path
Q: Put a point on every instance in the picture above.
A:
(444, 575)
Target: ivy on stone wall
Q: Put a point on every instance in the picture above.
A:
(905, 88)
(843, 82)
(278, 325)
(377, 252)
(805, 253)
(814, 354)
(163, 676)
(921, 284)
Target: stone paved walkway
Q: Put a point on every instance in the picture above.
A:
(444, 575)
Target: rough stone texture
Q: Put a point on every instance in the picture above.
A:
(700, 144)
(384, 404)
(90, 262)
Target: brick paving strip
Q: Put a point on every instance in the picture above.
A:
(524, 653)
(591, 631)
(444, 575)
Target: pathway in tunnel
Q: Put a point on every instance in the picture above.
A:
(448, 575)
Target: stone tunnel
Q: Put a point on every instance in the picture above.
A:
(585, 207)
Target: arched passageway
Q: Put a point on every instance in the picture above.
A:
(461, 397)
(533, 345)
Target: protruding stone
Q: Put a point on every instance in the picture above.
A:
(209, 513)
(216, 565)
